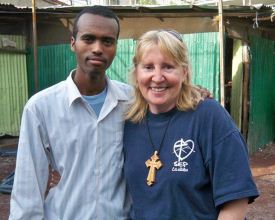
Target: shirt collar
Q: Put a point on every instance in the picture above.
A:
(113, 90)
(116, 91)
(73, 92)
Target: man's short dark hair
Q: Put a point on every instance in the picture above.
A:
(95, 10)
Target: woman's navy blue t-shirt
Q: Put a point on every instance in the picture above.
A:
(205, 164)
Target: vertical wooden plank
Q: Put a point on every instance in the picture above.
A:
(237, 83)
(246, 64)
(221, 40)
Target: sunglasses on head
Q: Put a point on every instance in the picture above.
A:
(174, 33)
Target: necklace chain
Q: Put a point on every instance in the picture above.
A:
(150, 137)
(154, 163)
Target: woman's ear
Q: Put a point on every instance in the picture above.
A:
(184, 73)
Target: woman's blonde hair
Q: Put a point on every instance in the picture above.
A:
(170, 44)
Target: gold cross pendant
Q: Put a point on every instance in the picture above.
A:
(153, 163)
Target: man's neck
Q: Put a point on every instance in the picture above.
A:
(89, 85)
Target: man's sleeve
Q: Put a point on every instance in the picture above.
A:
(31, 173)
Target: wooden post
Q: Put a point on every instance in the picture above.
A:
(34, 34)
(246, 64)
(221, 40)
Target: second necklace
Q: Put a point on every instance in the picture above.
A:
(154, 162)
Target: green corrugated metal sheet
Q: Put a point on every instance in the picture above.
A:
(262, 96)
(13, 85)
(237, 83)
(54, 64)
(204, 56)
(122, 63)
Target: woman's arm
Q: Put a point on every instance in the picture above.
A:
(234, 210)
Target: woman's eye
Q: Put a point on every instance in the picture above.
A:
(168, 67)
(148, 67)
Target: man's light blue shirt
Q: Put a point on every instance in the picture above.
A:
(59, 128)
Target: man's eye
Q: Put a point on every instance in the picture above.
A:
(108, 41)
(88, 38)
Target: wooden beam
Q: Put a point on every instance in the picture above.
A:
(246, 65)
(221, 41)
(34, 34)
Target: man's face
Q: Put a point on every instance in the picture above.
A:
(95, 44)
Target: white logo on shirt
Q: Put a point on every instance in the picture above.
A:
(182, 149)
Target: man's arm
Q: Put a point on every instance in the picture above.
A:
(234, 210)
(31, 173)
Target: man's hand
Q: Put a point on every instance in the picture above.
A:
(205, 93)
(53, 179)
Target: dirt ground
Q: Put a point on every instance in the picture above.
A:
(263, 169)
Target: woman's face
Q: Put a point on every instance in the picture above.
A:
(159, 79)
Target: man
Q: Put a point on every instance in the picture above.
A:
(76, 127)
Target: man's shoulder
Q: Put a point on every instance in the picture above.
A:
(121, 87)
(47, 95)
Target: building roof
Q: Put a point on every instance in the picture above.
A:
(28, 3)
(263, 16)
(132, 11)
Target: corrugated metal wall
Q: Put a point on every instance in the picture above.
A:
(54, 64)
(119, 70)
(262, 93)
(56, 61)
(205, 60)
(13, 83)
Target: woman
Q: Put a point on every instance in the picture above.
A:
(184, 157)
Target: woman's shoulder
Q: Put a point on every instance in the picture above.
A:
(129, 124)
(211, 108)
(209, 103)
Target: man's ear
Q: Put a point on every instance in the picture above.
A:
(72, 44)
